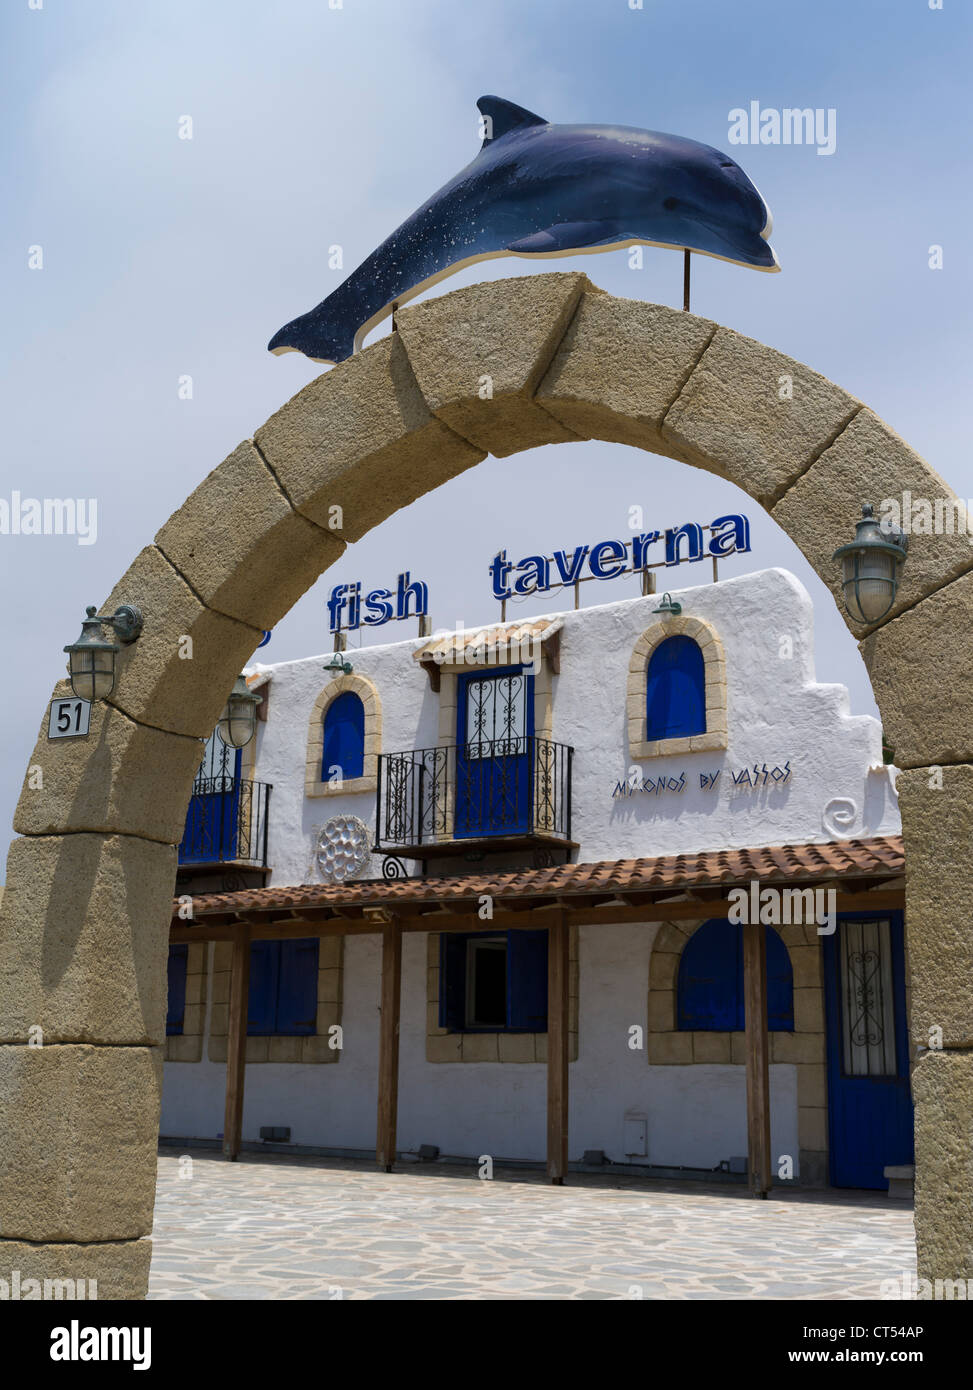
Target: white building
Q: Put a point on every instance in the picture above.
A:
(665, 751)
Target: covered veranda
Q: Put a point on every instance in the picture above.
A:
(866, 875)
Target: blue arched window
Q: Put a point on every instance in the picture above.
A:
(344, 737)
(675, 690)
(710, 986)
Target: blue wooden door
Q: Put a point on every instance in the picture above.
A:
(869, 1100)
(213, 817)
(494, 739)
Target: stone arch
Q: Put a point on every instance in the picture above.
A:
(705, 636)
(91, 878)
(367, 692)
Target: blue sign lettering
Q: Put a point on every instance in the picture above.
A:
(410, 600)
(607, 559)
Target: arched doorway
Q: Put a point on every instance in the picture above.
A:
(498, 367)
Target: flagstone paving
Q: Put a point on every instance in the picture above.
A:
(292, 1227)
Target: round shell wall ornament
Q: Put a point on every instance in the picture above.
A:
(343, 848)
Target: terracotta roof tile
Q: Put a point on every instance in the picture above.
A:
(880, 857)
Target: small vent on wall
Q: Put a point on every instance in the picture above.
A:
(276, 1134)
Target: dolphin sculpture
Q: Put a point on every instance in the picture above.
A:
(541, 190)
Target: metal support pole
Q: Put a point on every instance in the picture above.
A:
(685, 280)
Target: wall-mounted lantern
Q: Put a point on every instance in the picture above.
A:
(871, 567)
(91, 660)
(238, 721)
(337, 667)
(667, 606)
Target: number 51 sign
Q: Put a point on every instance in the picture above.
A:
(69, 718)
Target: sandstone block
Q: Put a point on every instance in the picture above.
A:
(919, 665)
(241, 545)
(620, 366)
(84, 932)
(78, 1144)
(98, 783)
(937, 822)
(730, 418)
(361, 437)
(942, 1089)
(155, 684)
(479, 353)
(116, 1269)
(868, 462)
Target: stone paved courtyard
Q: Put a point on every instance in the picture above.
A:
(313, 1228)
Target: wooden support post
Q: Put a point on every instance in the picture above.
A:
(557, 1049)
(758, 1057)
(388, 1057)
(687, 262)
(236, 1044)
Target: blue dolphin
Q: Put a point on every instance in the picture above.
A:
(542, 190)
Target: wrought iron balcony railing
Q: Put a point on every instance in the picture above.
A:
(514, 789)
(226, 822)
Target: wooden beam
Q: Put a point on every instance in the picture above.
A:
(557, 1050)
(388, 1048)
(758, 1057)
(452, 916)
(236, 1044)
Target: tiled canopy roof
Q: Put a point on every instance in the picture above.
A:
(457, 647)
(667, 874)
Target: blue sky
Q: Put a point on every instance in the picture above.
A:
(314, 126)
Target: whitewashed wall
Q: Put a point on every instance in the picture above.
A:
(776, 713)
(696, 1115)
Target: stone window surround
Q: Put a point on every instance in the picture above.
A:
(314, 1047)
(667, 1045)
(187, 1046)
(706, 638)
(443, 1046)
(367, 692)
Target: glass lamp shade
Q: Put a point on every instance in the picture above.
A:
(870, 583)
(91, 662)
(871, 568)
(238, 721)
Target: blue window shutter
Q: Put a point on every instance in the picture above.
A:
(675, 690)
(344, 737)
(710, 985)
(175, 1013)
(264, 973)
(709, 990)
(527, 980)
(452, 981)
(297, 988)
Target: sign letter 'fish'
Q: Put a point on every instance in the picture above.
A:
(542, 190)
